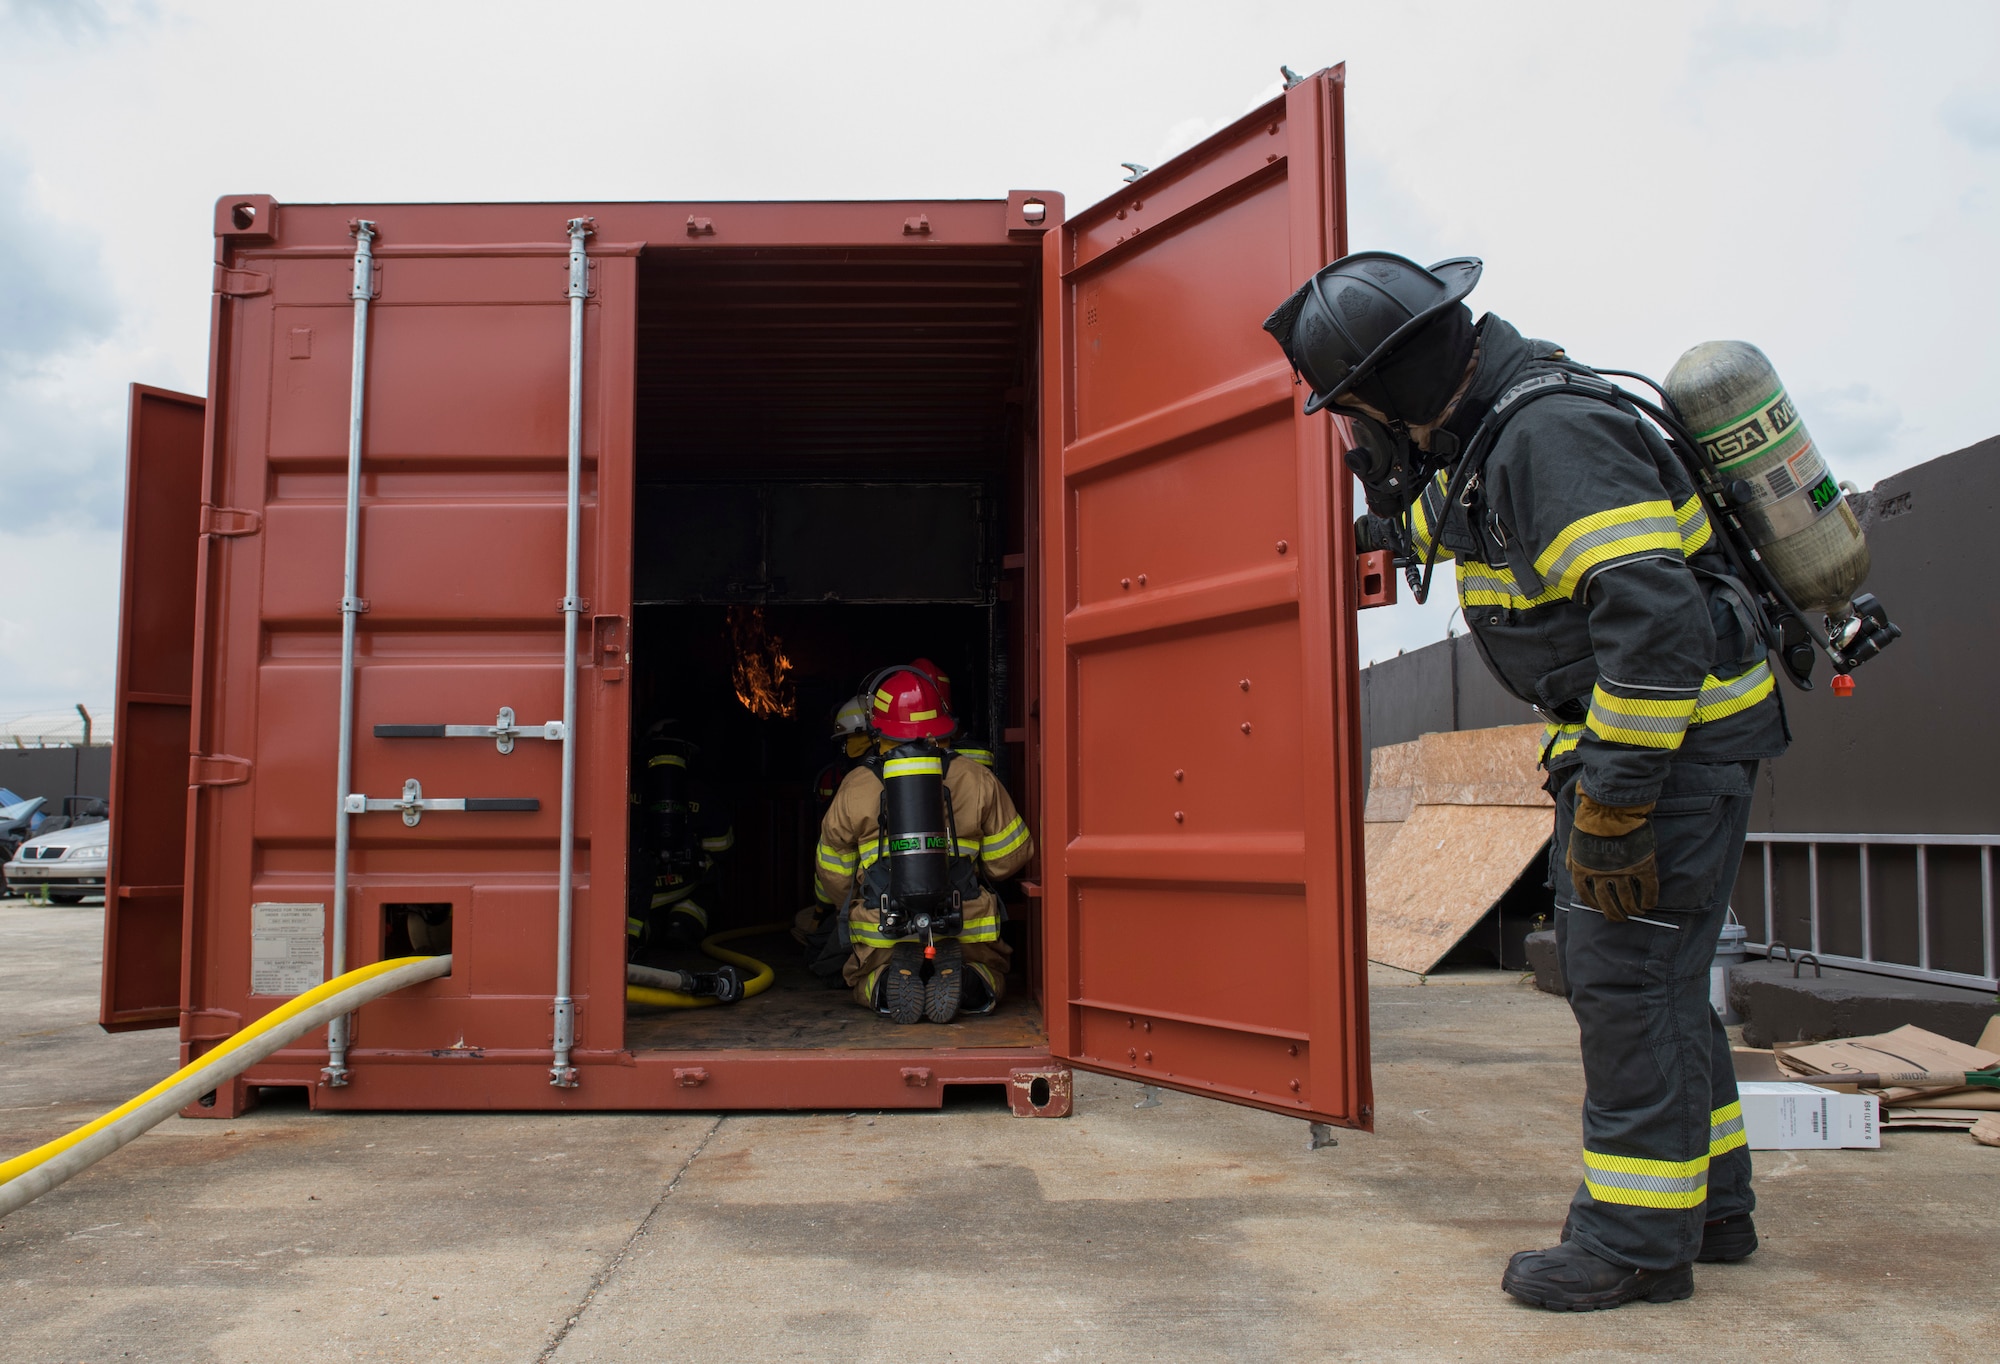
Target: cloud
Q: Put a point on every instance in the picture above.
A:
(58, 453)
(66, 19)
(1738, 34)
(1972, 114)
(1855, 428)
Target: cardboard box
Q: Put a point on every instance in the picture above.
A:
(1780, 1116)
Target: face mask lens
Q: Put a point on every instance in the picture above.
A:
(1373, 458)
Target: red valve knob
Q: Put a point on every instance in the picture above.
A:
(1843, 685)
(930, 952)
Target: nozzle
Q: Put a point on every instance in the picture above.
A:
(724, 983)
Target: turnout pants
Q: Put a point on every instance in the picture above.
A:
(864, 964)
(1663, 1142)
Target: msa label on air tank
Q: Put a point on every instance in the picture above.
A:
(287, 948)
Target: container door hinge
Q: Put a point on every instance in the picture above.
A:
(226, 522)
(414, 803)
(217, 769)
(241, 283)
(503, 731)
(610, 651)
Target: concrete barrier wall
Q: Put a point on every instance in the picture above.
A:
(56, 772)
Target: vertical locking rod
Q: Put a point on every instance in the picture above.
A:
(350, 610)
(562, 1073)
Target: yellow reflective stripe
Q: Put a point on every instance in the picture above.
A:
(1597, 539)
(723, 843)
(920, 715)
(1427, 506)
(819, 893)
(1721, 698)
(1481, 585)
(836, 861)
(882, 700)
(1629, 720)
(666, 760)
(1641, 1183)
(996, 846)
(693, 911)
(868, 935)
(1695, 530)
(870, 855)
(1725, 1130)
(968, 847)
(664, 898)
(1561, 739)
(634, 927)
(982, 756)
(914, 767)
(980, 930)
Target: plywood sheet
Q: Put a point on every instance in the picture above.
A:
(1481, 767)
(1443, 871)
(1392, 782)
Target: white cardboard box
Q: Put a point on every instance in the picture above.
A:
(1782, 1116)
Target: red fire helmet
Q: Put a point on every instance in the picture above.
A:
(938, 675)
(906, 705)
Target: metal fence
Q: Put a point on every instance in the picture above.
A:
(1877, 895)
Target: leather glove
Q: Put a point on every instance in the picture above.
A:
(1610, 858)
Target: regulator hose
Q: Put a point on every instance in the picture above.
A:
(30, 1175)
(756, 985)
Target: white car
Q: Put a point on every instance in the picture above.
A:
(71, 862)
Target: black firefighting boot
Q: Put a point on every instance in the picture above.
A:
(1728, 1240)
(944, 989)
(1724, 1241)
(899, 991)
(682, 929)
(979, 995)
(1568, 1278)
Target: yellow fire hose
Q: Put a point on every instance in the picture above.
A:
(756, 985)
(29, 1176)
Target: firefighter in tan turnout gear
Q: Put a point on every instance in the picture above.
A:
(1591, 580)
(908, 845)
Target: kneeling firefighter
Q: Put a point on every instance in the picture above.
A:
(1608, 573)
(680, 832)
(814, 928)
(907, 846)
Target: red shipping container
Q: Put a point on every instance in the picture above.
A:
(782, 405)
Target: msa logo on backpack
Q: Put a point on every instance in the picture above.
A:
(1739, 441)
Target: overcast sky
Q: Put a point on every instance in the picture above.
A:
(1820, 179)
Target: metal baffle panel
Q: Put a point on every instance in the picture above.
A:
(1201, 826)
(149, 764)
(462, 554)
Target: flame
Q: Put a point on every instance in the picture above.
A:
(762, 675)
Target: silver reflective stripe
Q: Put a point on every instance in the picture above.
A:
(1597, 539)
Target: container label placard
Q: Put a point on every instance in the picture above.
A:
(287, 948)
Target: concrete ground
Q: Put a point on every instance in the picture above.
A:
(1186, 1231)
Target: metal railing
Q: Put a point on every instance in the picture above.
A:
(1921, 969)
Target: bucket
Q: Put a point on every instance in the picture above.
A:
(1728, 952)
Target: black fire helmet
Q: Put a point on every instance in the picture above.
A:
(1341, 325)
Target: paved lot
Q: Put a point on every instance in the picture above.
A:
(1186, 1231)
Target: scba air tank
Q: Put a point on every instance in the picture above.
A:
(1735, 405)
(914, 827)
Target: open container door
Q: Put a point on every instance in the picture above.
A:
(149, 762)
(1202, 798)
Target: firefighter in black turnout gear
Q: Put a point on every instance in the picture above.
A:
(1591, 582)
(680, 829)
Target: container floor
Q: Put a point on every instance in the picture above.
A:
(801, 1012)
